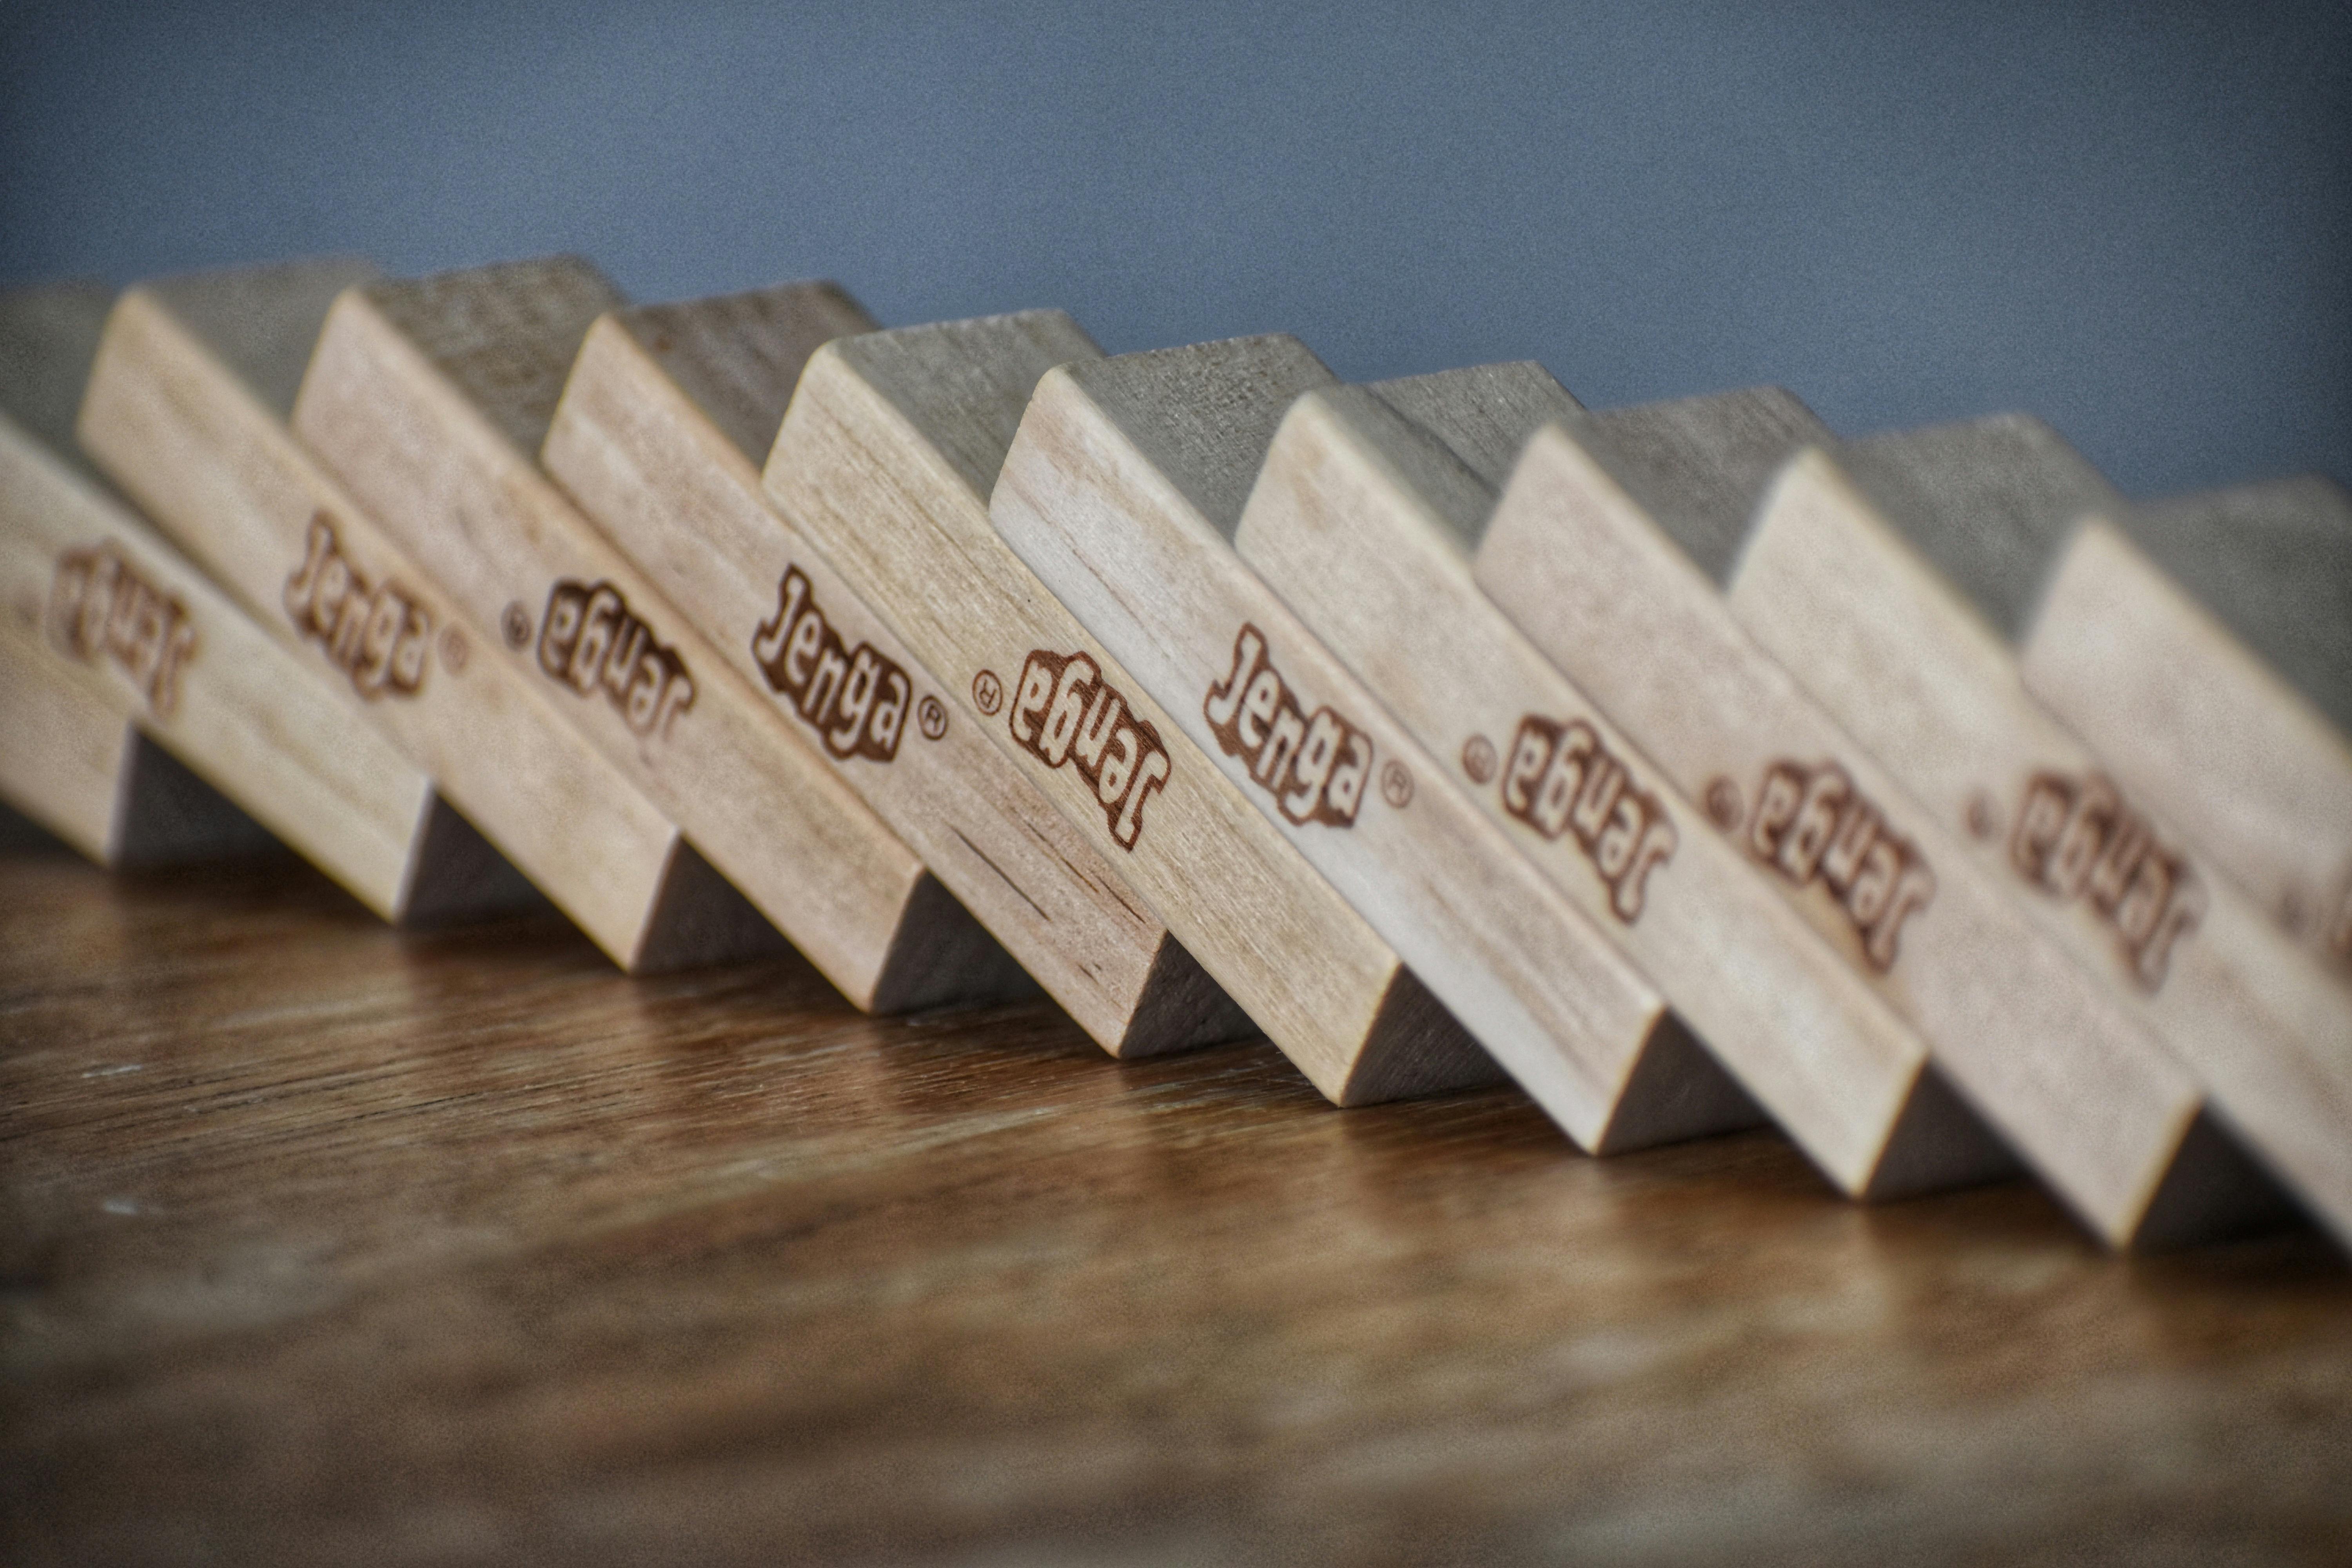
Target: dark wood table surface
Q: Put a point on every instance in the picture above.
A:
(324, 1244)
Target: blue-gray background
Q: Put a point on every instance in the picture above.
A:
(2134, 220)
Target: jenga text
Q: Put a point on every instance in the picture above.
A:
(1562, 780)
(854, 697)
(378, 635)
(2077, 839)
(1063, 712)
(1811, 822)
(101, 607)
(589, 640)
(1314, 767)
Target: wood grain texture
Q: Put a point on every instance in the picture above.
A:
(430, 400)
(2042, 1047)
(2227, 707)
(1834, 582)
(885, 460)
(665, 420)
(1363, 520)
(89, 587)
(326, 1244)
(1121, 491)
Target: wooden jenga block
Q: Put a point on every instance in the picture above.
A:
(1836, 582)
(1121, 491)
(885, 460)
(664, 423)
(188, 409)
(1608, 547)
(430, 401)
(99, 598)
(2203, 646)
(1362, 522)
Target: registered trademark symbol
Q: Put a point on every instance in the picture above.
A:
(987, 692)
(515, 624)
(1478, 759)
(453, 649)
(1722, 804)
(931, 717)
(1396, 783)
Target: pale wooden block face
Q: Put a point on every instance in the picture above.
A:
(430, 400)
(885, 461)
(67, 763)
(655, 438)
(1832, 584)
(2040, 1045)
(1363, 522)
(1132, 472)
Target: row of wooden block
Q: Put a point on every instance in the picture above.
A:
(1695, 767)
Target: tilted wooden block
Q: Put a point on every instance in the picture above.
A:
(885, 460)
(2203, 646)
(666, 417)
(96, 596)
(430, 400)
(1608, 548)
(188, 409)
(1836, 582)
(1363, 520)
(1121, 491)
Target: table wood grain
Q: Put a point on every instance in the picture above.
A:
(323, 1243)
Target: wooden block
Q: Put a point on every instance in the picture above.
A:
(430, 401)
(658, 438)
(2203, 648)
(99, 599)
(188, 410)
(1132, 471)
(1608, 548)
(1362, 522)
(1835, 581)
(885, 460)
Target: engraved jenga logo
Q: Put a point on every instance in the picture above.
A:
(378, 635)
(854, 697)
(1063, 712)
(589, 640)
(1562, 780)
(1812, 824)
(1314, 767)
(100, 606)
(2077, 839)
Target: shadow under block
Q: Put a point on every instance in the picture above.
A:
(1121, 491)
(658, 438)
(1834, 582)
(1362, 521)
(430, 400)
(2203, 648)
(885, 460)
(1607, 548)
(99, 599)
(188, 411)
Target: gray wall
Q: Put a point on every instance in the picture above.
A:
(2134, 220)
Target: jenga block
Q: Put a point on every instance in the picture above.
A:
(1835, 583)
(2203, 648)
(99, 599)
(885, 460)
(430, 401)
(1133, 471)
(1608, 548)
(666, 417)
(1362, 522)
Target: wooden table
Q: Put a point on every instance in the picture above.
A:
(326, 1244)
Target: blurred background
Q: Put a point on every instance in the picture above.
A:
(2134, 220)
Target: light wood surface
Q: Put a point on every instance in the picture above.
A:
(93, 592)
(324, 1244)
(430, 400)
(1121, 491)
(1582, 551)
(2203, 648)
(1834, 582)
(1363, 520)
(885, 460)
(665, 420)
